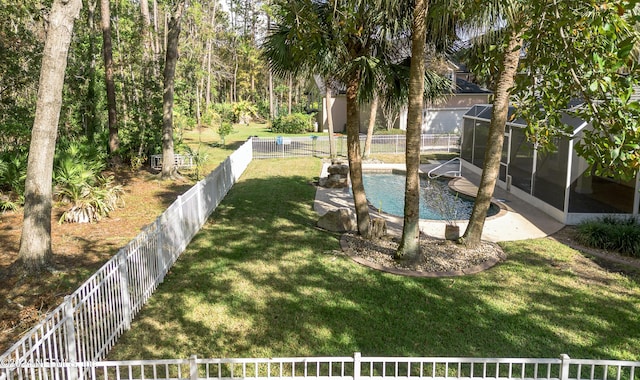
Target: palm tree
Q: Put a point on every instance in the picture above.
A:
(510, 14)
(410, 244)
(437, 27)
(353, 41)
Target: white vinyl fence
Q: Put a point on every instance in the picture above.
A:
(89, 321)
(339, 368)
(319, 145)
(73, 339)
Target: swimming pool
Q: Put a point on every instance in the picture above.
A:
(385, 192)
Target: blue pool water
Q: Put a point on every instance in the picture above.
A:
(385, 191)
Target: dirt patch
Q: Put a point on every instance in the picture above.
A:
(79, 250)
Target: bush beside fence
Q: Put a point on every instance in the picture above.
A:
(89, 321)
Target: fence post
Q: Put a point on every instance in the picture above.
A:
(181, 244)
(160, 245)
(448, 142)
(200, 198)
(70, 337)
(356, 365)
(564, 366)
(160, 259)
(193, 367)
(123, 271)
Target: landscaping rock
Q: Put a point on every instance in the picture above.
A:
(338, 175)
(340, 220)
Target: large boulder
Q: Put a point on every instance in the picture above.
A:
(340, 220)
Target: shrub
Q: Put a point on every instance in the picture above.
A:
(78, 183)
(225, 111)
(96, 201)
(615, 234)
(13, 172)
(224, 130)
(294, 123)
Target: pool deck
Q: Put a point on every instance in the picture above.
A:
(516, 221)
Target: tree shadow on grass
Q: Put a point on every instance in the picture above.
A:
(260, 280)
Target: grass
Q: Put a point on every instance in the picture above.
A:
(261, 281)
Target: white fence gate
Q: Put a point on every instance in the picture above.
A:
(89, 321)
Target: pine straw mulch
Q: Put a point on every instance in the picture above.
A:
(439, 258)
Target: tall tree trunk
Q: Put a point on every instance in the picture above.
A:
(290, 100)
(372, 123)
(91, 103)
(146, 27)
(35, 242)
(332, 138)
(156, 30)
(150, 72)
(107, 51)
(355, 160)
(271, 107)
(473, 234)
(171, 60)
(271, 113)
(409, 248)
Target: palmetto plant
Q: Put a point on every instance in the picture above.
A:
(78, 183)
(95, 202)
(13, 171)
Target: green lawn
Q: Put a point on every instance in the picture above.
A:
(261, 281)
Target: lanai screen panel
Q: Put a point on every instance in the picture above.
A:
(466, 151)
(481, 137)
(551, 173)
(521, 160)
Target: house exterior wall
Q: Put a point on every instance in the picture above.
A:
(446, 117)
(339, 114)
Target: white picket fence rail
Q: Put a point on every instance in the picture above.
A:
(89, 321)
(319, 145)
(354, 367)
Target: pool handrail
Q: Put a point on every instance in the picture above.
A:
(450, 173)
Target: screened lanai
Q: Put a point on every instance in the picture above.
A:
(558, 182)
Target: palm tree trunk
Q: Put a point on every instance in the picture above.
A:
(35, 242)
(372, 123)
(409, 248)
(168, 167)
(332, 138)
(355, 160)
(473, 234)
(290, 99)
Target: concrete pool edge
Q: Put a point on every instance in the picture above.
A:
(517, 220)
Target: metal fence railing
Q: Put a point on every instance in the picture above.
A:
(354, 367)
(275, 147)
(89, 321)
(181, 161)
